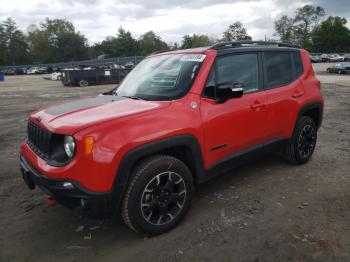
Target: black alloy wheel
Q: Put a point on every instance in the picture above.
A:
(307, 141)
(302, 144)
(163, 198)
(158, 196)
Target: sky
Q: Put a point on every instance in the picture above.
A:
(170, 19)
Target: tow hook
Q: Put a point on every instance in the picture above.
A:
(51, 201)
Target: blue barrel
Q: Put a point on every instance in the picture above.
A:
(2, 76)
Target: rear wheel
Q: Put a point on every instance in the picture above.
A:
(340, 72)
(158, 196)
(302, 144)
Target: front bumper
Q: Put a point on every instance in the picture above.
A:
(69, 193)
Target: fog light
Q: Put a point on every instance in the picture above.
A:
(67, 185)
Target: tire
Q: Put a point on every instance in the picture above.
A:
(303, 142)
(328, 70)
(83, 83)
(340, 72)
(148, 210)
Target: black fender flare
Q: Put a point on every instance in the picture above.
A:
(313, 105)
(130, 159)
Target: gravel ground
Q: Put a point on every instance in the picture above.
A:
(265, 211)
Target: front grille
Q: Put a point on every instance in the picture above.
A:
(39, 140)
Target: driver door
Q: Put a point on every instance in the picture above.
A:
(239, 123)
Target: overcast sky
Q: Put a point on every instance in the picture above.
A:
(171, 19)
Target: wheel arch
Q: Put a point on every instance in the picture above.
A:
(313, 110)
(184, 147)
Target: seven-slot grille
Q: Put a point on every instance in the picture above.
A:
(39, 140)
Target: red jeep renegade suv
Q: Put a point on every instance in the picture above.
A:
(178, 119)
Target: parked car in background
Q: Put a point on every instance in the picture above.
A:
(336, 58)
(347, 58)
(21, 70)
(56, 76)
(10, 71)
(43, 70)
(129, 65)
(315, 59)
(33, 70)
(325, 57)
(340, 68)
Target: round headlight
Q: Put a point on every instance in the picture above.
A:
(69, 146)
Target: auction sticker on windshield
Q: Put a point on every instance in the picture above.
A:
(193, 57)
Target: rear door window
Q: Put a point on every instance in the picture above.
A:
(279, 69)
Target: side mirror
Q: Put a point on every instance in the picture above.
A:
(226, 92)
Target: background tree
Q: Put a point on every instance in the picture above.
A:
(298, 29)
(285, 29)
(236, 32)
(56, 41)
(122, 45)
(150, 42)
(332, 35)
(306, 19)
(195, 41)
(13, 44)
(3, 46)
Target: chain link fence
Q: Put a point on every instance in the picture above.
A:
(92, 62)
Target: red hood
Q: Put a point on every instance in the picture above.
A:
(71, 117)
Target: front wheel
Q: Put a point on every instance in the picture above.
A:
(303, 142)
(158, 196)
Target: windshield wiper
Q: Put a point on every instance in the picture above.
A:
(133, 97)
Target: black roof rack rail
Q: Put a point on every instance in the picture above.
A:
(158, 52)
(233, 44)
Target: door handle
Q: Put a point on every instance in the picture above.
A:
(257, 105)
(297, 94)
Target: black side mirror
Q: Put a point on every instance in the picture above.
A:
(226, 92)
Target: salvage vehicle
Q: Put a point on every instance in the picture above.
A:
(178, 119)
(340, 68)
(129, 65)
(56, 76)
(325, 57)
(315, 59)
(10, 71)
(347, 57)
(33, 71)
(336, 58)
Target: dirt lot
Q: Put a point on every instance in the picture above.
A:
(265, 211)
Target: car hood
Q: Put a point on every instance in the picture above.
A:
(71, 117)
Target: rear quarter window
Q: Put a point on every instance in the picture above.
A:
(298, 65)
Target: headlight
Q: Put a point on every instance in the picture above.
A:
(69, 146)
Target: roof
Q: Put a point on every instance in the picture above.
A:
(229, 45)
(235, 44)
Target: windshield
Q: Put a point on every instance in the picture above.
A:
(164, 77)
